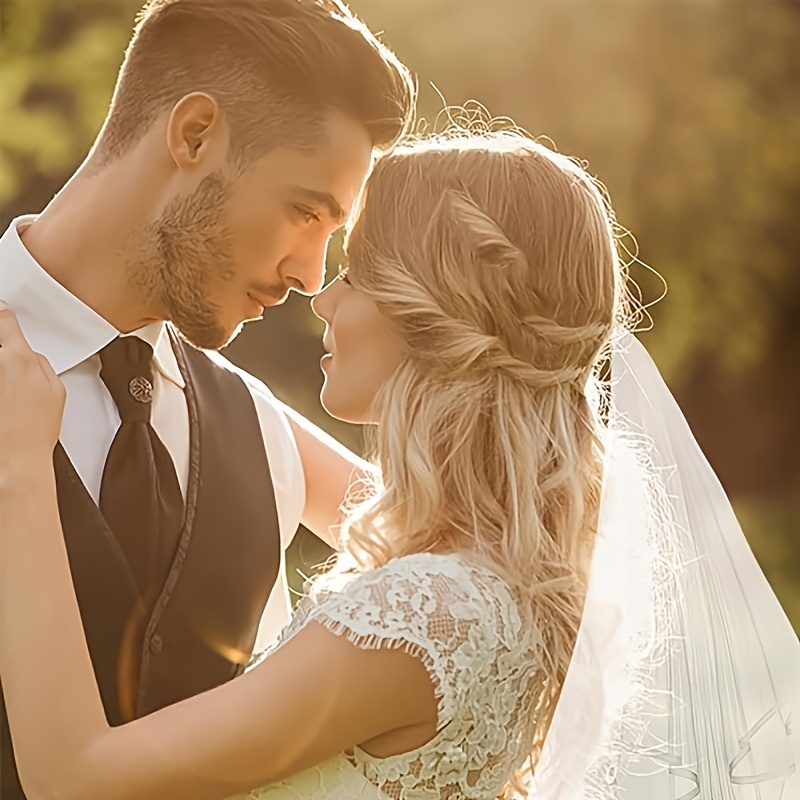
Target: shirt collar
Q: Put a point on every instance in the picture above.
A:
(164, 359)
(55, 322)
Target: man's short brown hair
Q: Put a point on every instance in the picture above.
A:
(274, 66)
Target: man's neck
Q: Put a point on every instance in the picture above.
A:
(86, 240)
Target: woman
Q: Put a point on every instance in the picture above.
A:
(482, 286)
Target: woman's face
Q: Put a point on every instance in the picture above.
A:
(363, 350)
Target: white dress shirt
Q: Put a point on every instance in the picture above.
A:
(70, 335)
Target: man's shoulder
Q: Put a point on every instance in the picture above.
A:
(216, 360)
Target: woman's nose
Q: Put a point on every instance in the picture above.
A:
(321, 303)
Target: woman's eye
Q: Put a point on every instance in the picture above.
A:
(307, 214)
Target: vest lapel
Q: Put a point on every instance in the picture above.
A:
(204, 625)
(109, 602)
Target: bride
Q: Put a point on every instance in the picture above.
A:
(481, 293)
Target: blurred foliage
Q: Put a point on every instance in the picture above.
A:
(688, 110)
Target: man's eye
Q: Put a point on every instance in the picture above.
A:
(307, 214)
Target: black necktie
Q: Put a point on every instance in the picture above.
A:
(140, 496)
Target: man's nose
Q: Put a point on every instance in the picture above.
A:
(304, 270)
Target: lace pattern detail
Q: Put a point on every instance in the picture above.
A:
(336, 779)
(460, 619)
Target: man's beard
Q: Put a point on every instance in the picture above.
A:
(188, 258)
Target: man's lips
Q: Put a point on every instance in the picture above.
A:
(265, 301)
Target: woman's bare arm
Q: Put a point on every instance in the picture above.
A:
(314, 697)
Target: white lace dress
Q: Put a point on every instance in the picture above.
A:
(461, 621)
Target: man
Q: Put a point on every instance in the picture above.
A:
(237, 141)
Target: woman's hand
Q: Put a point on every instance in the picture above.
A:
(31, 402)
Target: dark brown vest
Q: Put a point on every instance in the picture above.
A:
(200, 631)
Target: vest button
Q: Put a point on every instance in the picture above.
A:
(156, 644)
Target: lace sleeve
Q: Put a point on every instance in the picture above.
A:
(428, 605)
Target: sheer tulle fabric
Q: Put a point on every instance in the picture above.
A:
(685, 682)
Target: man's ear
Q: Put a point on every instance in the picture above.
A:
(195, 130)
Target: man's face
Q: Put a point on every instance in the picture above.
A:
(237, 245)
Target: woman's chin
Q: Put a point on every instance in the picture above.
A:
(339, 407)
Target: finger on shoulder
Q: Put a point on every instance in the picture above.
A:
(11, 336)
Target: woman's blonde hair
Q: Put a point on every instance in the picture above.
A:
(495, 258)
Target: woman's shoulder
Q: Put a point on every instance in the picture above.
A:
(417, 589)
(445, 573)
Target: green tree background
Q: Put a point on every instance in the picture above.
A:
(688, 110)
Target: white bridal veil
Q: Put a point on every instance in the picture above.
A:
(685, 680)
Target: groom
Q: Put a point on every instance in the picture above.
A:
(238, 139)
